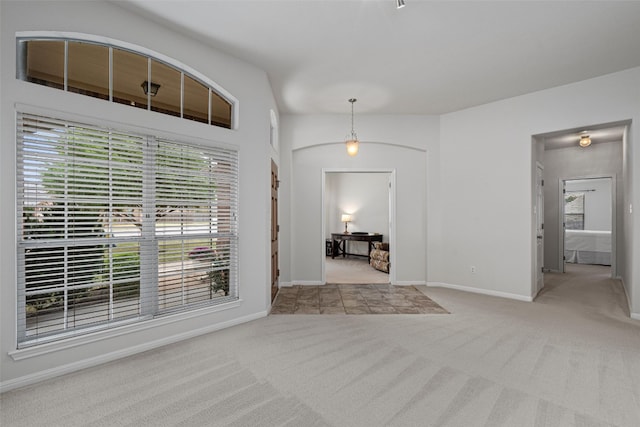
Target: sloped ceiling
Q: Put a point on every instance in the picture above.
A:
(431, 57)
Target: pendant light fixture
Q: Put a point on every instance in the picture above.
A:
(352, 140)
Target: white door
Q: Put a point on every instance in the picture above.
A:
(563, 227)
(539, 229)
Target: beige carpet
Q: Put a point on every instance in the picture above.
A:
(571, 358)
(353, 270)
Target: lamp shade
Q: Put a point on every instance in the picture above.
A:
(352, 147)
(345, 218)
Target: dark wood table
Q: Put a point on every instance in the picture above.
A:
(339, 242)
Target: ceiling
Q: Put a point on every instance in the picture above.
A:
(430, 57)
(610, 132)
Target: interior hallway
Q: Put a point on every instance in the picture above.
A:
(568, 359)
(585, 287)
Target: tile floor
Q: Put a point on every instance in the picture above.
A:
(354, 299)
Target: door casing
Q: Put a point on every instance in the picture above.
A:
(561, 231)
(392, 217)
(275, 270)
(539, 209)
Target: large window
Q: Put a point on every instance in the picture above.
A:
(116, 227)
(120, 75)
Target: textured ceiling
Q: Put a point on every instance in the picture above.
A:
(431, 57)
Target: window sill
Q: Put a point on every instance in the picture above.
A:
(71, 342)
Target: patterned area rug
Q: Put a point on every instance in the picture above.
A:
(354, 299)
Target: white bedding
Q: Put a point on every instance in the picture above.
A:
(588, 247)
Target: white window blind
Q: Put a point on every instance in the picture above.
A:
(116, 227)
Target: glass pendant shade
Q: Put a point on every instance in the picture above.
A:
(352, 139)
(352, 147)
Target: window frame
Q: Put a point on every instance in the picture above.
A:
(139, 50)
(141, 318)
(578, 195)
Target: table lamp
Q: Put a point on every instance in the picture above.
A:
(346, 218)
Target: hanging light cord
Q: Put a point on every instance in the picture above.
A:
(352, 140)
(353, 134)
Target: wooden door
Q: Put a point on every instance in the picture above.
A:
(275, 228)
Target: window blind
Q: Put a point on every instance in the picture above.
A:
(118, 227)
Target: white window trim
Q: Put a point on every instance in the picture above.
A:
(130, 327)
(104, 334)
(235, 104)
(274, 136)
(123, 126)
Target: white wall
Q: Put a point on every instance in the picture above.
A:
(363, 195)
(629, 270)
(247, 83)
(406, 144)
(479, 207)
(463, 179)
(576, 162)
(486, 161)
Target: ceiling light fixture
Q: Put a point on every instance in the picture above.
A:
(400, 4)
(150, 88)
(585, 141)
(352, 140)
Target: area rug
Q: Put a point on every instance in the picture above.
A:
(354, 299)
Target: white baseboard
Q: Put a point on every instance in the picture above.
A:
(481, 291)
(633, 315)
(115, 355)
(319, 283)
(285, 284)
(308, 282)
(410, 283)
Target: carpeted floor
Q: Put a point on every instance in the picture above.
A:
(571, 358)
(352, 270)
(354, 299)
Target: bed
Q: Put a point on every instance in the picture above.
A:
(587, 247)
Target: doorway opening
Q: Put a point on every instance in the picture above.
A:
(357, 215)
(587, 218)
(583, 189)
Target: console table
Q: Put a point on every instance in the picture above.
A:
(339, 242)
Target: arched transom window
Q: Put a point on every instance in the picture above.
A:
(121, 75)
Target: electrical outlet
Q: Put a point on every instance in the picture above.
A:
(473, 269)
